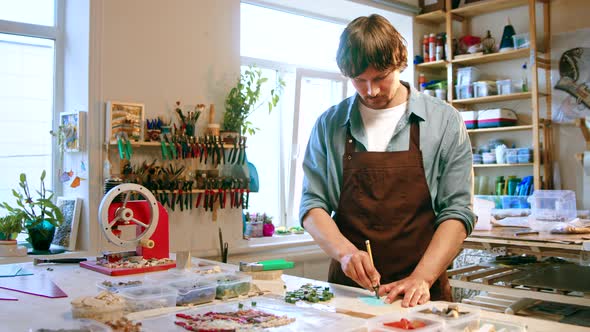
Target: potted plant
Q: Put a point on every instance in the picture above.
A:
(243, 100)
(41, 216)
(10, 226)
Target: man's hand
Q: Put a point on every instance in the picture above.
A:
(416, 290)
(358, 267)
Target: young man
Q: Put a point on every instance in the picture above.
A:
(395, 167)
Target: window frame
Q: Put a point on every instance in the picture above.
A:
(288, 157)
(54, 33)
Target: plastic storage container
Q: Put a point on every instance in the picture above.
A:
(166, 277)
(496, 117)
(484, 89)
(505, 87)
(521, 40)
(73, 325)
(467, 75)
(500, 325)
(467, 317)
(194, 291)
(464, 91)
(470, 119)
(477, 158)
(507, 202)
(553, 205)
(149, 297)
(377, 324)
(103, 307)
(512, 156)
(489, 157)
(118, 285)
(231, 285)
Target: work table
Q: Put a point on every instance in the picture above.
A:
(35, 311)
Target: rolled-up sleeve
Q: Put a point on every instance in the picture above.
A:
(454, 194)
(315, 186)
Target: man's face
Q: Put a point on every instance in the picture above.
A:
(377, 88)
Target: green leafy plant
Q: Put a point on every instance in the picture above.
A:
(34, 210)
(243, 100)
(10, 224)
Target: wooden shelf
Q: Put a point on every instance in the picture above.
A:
(500, 129)
(434, 65)
(435, 17)
(494, 57)
(493, 99)
(501, 165)
(487, 6)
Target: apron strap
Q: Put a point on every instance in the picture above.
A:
(414, 133)
(349, 147)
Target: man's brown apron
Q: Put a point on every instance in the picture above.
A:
(385, 198)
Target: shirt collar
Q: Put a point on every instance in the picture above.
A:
(415, 104)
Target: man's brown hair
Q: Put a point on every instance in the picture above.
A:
(371, 40)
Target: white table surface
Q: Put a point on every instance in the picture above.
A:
(35, 311)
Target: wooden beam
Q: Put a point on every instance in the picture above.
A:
(492, 279)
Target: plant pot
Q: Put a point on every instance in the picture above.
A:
(41, 235)
(229, 137)
(8, 237)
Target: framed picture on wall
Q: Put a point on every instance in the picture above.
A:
(66, 234)
(73, 128)
(124, 117)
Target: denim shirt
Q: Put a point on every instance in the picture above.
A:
(444, 142)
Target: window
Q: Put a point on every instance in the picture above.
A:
(277, 149)
(28, 40)
(302, 51)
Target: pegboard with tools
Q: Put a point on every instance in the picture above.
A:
(187, 162)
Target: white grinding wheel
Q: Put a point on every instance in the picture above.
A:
(125, 214)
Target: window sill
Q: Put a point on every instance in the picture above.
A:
(275, 242)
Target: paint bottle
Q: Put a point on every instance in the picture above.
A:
(425, 49)
(432, 47)
(421, 81)
(439, 48)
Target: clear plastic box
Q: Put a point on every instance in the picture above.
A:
(376, 324)
(467, 75)
(149, 297)
(505, 87)
(165, 277)
(499, 325)
(463, 91)
(211, 270)
(468, 316)
(521, 40)
(118, 285)
(74, 325)
(194, 291)
(507, 202)
(512, 156)
(231, 285)
(553, 205)
(484, 89)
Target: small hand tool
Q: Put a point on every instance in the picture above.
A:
(269, 265)
(38, 261)
(376, 287)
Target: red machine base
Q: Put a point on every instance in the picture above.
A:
(91, 265)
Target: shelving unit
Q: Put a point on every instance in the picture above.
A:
(501, 165)
(540, 130)
(500, 129)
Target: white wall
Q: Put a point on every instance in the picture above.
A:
(76, 79)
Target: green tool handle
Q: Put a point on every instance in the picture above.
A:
(121, 150)
(128, 149)
(164, 150)
(276, 264)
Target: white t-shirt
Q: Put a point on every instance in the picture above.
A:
(380, 125)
